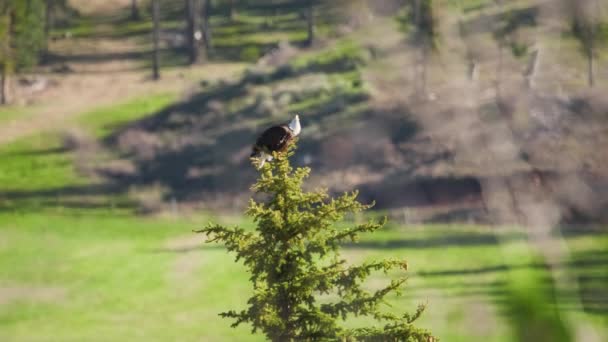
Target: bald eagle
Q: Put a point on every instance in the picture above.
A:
(275, 139)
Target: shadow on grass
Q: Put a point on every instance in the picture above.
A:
(188, 249)
(503, 23)
(445, 240)
(587, 268)
(85, 199)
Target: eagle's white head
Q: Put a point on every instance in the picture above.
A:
(294, 126)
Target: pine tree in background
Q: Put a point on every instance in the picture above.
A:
(22, 38)
(29, 32)
(294, 258)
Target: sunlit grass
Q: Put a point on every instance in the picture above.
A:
(154, 279)
(36, 163)
(105, 120)
(10, 113)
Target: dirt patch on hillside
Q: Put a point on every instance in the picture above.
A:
(89, 7)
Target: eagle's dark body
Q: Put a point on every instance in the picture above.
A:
(274, 139)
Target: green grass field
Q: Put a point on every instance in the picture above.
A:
(112, 277)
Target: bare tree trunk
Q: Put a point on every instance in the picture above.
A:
(4, 86)
(190, 30)
(590, 62)
(417, 13)
(473, 67)
(473, 72)
(232, 10)
(5, 67)
(206, 25)
(424, 55)
(532, 70)
(49, 19)
(134, 10)
(156, 38)
(195, 36)
(310, 20)
(595, 20)
(499, 68)
(420, 73)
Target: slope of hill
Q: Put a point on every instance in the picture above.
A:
(472, 130)
(451, 151)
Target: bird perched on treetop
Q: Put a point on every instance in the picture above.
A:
(275, 139)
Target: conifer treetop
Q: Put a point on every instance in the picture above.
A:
(293, 257)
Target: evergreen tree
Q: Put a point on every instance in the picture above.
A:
(28, 32)
(22, 38)
(294, 258)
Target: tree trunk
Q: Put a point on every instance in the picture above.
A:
(424, 55)
(232, 10)
(499, 69)
(310, 20)
(206, 25)
(49, 18)
(134, 10)
(591, 62)
(285, 301)
(4, 87)
(590, 67)
(190, 28)
(417, 13)
(420, 66)
(156, 38)
(532, 70)
(5, 66)
(194, 33)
